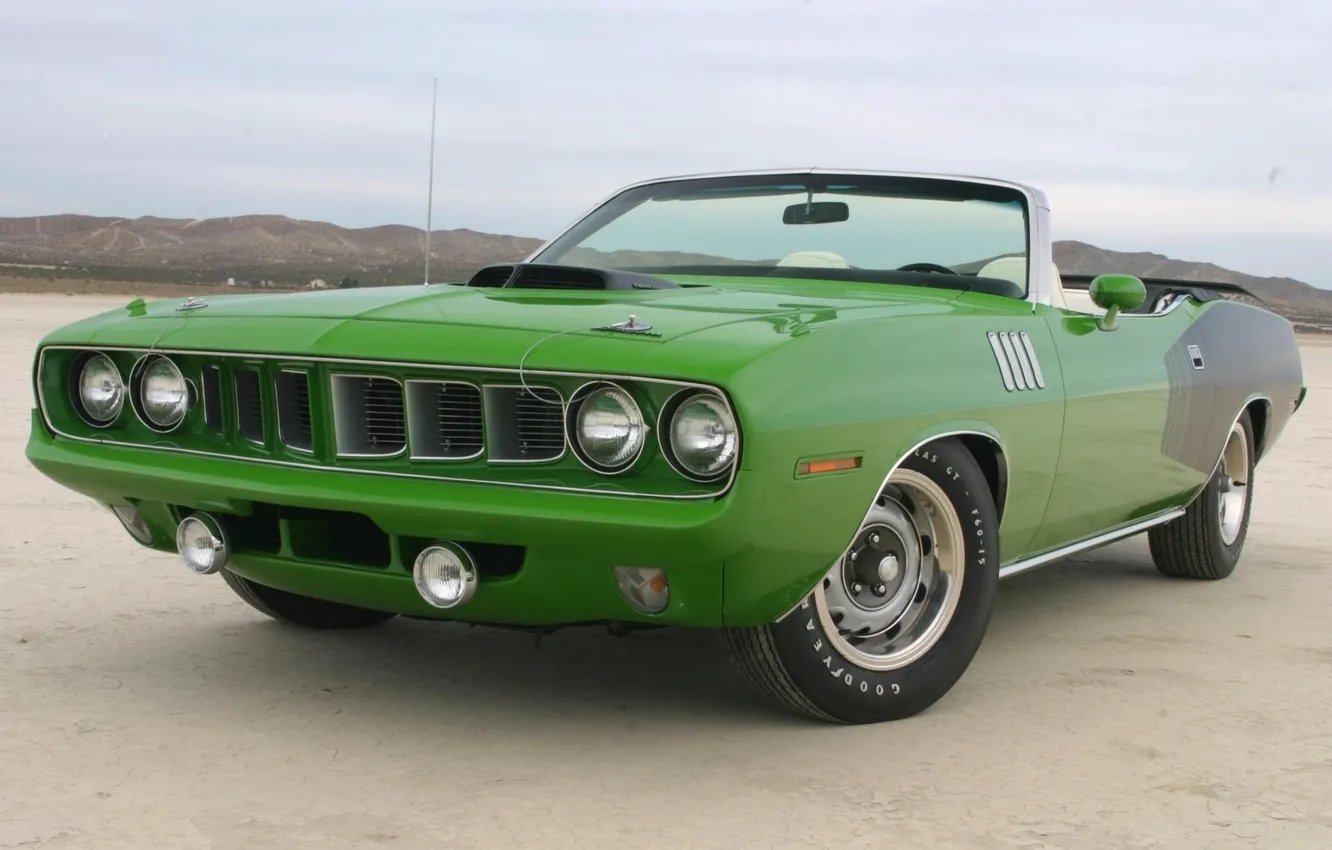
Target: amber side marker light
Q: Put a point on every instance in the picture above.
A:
(818, 467)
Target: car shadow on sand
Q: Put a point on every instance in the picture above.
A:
(581, 675)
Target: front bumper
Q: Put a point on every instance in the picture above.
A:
(741, 560)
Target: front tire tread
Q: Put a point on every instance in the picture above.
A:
(754, 656)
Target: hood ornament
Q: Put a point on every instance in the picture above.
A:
(191, 303)
(633, 326)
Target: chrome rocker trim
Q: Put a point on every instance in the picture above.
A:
(1093, 542)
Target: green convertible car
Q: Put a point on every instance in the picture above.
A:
(823, 412)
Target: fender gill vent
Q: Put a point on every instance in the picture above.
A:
(1018, 364)
(249, 405)
(212, 398)
(368, 417)
(293, 405)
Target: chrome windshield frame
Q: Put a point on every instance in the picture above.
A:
(1039, 246)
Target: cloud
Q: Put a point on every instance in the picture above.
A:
(1144, 121)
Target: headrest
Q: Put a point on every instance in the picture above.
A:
(1015, 269)
(815, 259)
(1007, 268)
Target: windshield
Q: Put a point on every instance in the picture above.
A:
(882, 229)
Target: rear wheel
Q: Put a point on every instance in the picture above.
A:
(306, 611)
(897, 620)
(1206, 542)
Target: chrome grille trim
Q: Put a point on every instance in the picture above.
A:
(210, 387)
(369, 415)
(445, 420)
(523, 423)
(311, 465)
(249, 404)
(295, 428)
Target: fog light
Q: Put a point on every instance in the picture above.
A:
(202, 543)
(445, 575)
(644, 588)
(134, 523)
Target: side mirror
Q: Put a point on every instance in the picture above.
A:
(1113, 293)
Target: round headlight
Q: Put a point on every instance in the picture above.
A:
(704, 438)
(163, 393)
(101, 391)
(609, 429)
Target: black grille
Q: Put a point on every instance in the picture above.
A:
(459, 419)
(337, 537)
(249, 405)
(445, 419)
(368, 416)
(385, 428)
(539, 417)
(212, 398)
(293, 400)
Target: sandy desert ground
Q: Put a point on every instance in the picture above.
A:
(144, 707)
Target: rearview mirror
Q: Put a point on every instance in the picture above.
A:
(1116, 292)
(816, 212)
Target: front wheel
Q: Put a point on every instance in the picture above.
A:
(897, 620)
(306, 611)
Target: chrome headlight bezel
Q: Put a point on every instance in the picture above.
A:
(138, 394)
(578, 407)
(670, 414)
(80, 368)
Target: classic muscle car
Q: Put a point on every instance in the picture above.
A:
(822, 412)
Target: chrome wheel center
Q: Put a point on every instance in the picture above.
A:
(888, 569)
(890, 597)
(1233, 485)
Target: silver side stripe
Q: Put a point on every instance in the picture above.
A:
(1018, 363)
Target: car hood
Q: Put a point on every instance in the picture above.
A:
(501, 327)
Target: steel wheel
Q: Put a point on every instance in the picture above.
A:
(891, 626)
(1233, 485)
(1206, 542)
(891, 596)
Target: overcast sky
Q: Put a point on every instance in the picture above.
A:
(1156, 125)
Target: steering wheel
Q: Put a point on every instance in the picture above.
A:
(926, 267)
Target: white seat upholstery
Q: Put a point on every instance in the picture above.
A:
(815, 260)
(1079, 301)
(1015, 269)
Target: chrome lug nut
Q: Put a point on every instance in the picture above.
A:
(857, 587)
(880, 590)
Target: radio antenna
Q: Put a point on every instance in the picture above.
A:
(430, 186)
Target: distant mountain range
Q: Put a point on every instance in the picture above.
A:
(291, 252)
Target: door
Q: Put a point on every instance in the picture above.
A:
(1120, 415)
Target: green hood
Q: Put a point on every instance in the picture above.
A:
(730, 322)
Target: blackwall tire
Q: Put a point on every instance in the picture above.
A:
(806, 663)
(304, 611)
(1206, 542)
